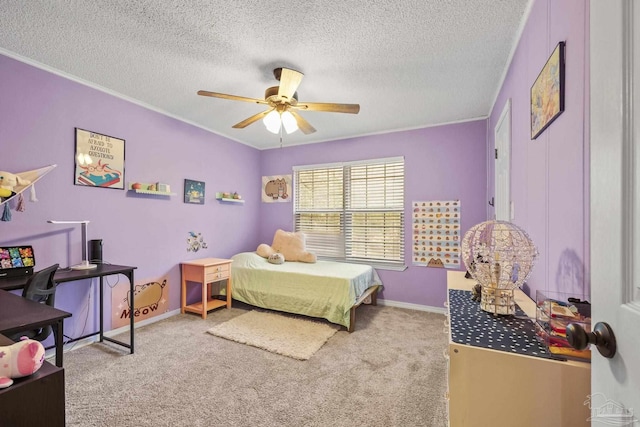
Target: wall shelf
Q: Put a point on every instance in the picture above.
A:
(228, 199)
(143, 190)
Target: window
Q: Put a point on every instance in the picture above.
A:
(353, 211)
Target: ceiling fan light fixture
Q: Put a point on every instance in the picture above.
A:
(289, 122)
(272, 121)
(280, 99)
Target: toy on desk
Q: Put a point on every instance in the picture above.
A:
(19, 360)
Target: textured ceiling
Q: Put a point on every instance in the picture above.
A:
(408, 63)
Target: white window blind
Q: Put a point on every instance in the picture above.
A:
(352, 211)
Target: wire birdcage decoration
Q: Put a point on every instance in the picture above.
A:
(500, 256)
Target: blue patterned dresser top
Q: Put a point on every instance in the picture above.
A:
(471, 325)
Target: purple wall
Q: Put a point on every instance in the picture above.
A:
(39, 111)
(549, 183)
(550, 175)
(38, 114)
(441, 163)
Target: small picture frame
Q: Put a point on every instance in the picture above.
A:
(276, 189)
(193, 192)
(99, 160)
(547, 92)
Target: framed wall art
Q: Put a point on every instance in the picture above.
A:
(547, 92)
(194, 192)
(99, 160)
(276, 188)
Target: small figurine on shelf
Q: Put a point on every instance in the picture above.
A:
(236, 196)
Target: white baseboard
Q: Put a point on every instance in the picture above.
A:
(419, 307)
(90, 340)
(141, 323)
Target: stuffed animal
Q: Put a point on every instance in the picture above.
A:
(276, 258)
(19, 360)
(290, 245)
(9, 181)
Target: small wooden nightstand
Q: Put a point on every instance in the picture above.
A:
(205, 271)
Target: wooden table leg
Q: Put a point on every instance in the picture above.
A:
(204, 299)
(183, 292)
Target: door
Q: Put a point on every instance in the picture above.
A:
(615, 207)
(503, 164)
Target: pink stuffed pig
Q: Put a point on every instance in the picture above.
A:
(19, 360)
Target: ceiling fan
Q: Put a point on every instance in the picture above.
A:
(283, 105)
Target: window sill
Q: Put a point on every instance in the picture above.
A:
(389, 267)
(377, 266)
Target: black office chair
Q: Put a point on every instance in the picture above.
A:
(39, 288)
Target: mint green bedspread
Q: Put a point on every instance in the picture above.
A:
(325, 289)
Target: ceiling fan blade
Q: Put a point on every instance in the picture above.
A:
(252, 119)
(231, 97)
(289, 82)
(303, 124)
(328, 107)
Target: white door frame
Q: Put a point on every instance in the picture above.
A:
(502, 139)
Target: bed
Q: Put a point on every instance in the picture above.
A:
(325, 289)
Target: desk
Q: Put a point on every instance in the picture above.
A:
(67, 275)
(34, 400)
(20, 314)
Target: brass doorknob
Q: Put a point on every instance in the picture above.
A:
(602, 336)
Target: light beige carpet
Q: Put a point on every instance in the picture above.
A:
(389, 372)
(282, 334)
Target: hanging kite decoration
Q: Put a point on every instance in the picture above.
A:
(13, 185)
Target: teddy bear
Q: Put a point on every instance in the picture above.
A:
(291, 245)
(19, 360)
(8, 182)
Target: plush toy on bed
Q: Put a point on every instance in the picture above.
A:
(291, 245)
(276, 258)
(19, 360)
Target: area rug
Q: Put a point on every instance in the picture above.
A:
(286, 335)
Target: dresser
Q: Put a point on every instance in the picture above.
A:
(501, 387)
(204, 272)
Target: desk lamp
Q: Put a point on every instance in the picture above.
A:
(85, 264)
